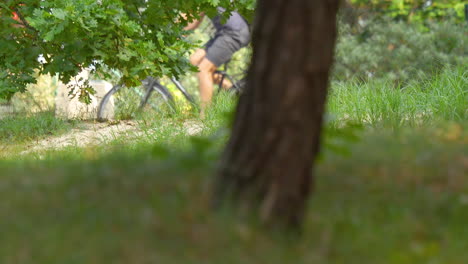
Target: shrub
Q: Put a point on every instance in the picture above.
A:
(399, 51)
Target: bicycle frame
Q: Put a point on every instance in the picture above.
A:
(183, 90)
(151, 84)
(189, 97)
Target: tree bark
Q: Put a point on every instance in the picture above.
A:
(268, 161)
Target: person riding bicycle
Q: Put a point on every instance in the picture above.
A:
(230, 37)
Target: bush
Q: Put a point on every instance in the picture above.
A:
(39, 97)
(399, 51)
(417, 11)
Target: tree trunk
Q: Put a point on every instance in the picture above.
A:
(267, 164)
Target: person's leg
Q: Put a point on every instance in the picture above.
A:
(205, 73)
(195, 60)
(222, 48)
(197, 57)
(226, 82)
(218, 51)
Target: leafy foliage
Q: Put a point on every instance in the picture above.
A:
(414, 10)
(399, 51)
(136, 37)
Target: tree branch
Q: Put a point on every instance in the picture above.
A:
(23, 21)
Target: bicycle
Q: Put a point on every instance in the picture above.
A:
(165, 101)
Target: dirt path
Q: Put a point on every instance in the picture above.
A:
(91, 133)
(87, 134)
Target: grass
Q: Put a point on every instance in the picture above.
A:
(402, 203)
(400, 195)
(18, 133)
(23, 128)
(441, 97)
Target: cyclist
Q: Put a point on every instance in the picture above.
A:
(230, 37)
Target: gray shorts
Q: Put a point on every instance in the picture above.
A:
(225, 43)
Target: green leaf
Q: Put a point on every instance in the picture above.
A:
(59, 13)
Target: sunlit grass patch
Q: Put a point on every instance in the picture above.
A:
(21, 128)
(439, 97)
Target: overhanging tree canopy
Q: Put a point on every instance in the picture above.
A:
(137, 37)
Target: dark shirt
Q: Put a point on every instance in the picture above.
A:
(234, 22)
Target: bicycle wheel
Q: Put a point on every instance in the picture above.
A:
(106, 106)
(125, 103)
(121, 103)
(145, 98)
(158, 97)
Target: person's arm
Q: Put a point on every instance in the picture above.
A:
(195, 23)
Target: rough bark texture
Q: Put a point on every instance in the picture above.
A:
(268, 161)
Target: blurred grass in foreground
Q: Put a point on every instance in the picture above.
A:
(401, 197)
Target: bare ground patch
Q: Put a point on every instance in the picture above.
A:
(87, 134)
(92, 133)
